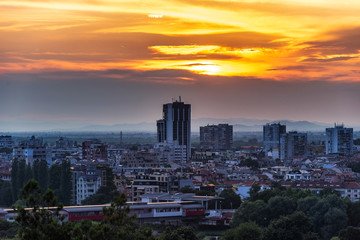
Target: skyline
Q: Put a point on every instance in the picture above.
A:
(109, 62)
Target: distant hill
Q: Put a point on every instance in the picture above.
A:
(240, 125)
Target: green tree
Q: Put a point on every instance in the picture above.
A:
(7, 229)
(292, 227)
(118, 224)
(41, 222)
(181, 233)
(248, 211)
(245, 231)
(65, 184)
(231, 199)
(353, 213)
(280, 206)
(349, 233)
(43, 177)
(6, 199)
(14, 179)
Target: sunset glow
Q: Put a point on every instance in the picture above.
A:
(177, 40)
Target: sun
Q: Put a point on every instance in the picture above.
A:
(204, 68)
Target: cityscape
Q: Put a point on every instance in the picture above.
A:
(177, 183)
(179, 120)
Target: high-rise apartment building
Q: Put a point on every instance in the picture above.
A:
(272, 134)
(293, 144)
(216, 137)
(174, 127)
(339, 140)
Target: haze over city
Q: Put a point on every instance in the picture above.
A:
(68, 64)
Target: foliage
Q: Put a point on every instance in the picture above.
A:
(181, 233)
(294, 226)
(349, 233)
(245, 231)
(41, 222)
(256, 211)
(5, 198)
(355, 166)
(231, 199)
(249, 163)
(7, 229)
(187, 189)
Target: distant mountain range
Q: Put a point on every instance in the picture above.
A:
(239, 125)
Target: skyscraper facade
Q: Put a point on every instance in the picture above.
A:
(293, 144)
(174, 127)
(339, 140)
(216, 137)
(272, 134)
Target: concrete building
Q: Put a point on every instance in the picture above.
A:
(94, 150)
(86, 181)
(272, 134)
(170, 152)
(293, 144)
(6, 142)
(216, 137)
(174, 127)
(31, 150)
(339, 140)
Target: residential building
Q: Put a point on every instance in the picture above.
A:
(339, 140)
(216, 137)
(94, 150)
(6, 142)
(86, 181)
(174, 127)
(272, 134)
(293, 144)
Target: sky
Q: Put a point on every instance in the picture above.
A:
(77, 62)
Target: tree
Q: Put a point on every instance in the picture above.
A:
(353, 213)
(14, 179)
(41, 222)
(295, 227)
(5, 198)
(231, 199)
(7, 229)
(181, 233)
(349, 233)
(281, 206)
(65, 184)
(43, 175)
(251, 211)
(245, 231)
(118, 224)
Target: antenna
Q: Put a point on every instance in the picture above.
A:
(179, 98)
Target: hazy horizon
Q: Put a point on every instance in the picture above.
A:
(77, 63)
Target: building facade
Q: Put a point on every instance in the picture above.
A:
(216, 137)
(339, 140)
(293, 144)
(272, 134)
(174, 127)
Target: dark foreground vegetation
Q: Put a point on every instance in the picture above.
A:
(274, 214)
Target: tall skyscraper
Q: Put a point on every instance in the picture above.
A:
(174, 127)
(216, 137)
(340, 140)
(293, 144)
(272, 134)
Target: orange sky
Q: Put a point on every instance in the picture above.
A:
(282, 40)
(276, 39)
